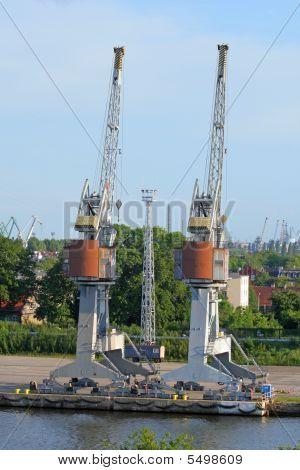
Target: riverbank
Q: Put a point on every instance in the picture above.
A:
(285, 406)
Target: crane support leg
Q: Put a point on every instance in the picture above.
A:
(235, 369)
(197, 368)
(85, 364)
(205, 341)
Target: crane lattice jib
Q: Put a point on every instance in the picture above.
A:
(110, 150)
(217, 136)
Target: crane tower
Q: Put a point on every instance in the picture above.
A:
(203, 262)
(148, 294)
(91, 260)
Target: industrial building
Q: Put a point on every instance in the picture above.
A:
(22, 311)
(237, 290)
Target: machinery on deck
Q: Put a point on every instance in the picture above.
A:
(91, 261)
(203, 264)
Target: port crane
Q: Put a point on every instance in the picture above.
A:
(91, 261)
(25, 234)
(259, 240)
(202, 263)
(284, 236)
(7, 229)
(276, 230)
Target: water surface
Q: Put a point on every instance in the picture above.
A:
(69, 429)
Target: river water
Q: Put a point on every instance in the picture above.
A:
(64, 429)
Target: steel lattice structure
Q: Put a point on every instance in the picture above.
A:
(205, 250)
(109, 161)
(217, 137)
(207, 204)
(95, 209)
(94, 220)
(148, 293)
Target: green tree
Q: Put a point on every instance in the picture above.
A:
(145, 439)
(290, 319)
(253, 301)
(47, 263)
(236, 262)
(54, 245)
(226, 311)
(172, 297)
(244, 318)
(57, 297)
(281, 281)
(34, 244)
(125, 303)
(263, 279)
(45, 245)
(283, 303)
(17, 277)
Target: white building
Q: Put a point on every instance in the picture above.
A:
(238, 290)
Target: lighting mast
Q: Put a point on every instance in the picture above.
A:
(148, 294)
(203, 261)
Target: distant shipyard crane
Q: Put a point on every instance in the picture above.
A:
(276, 230)
(7, 229)
(264, 229)
(284, 234)
(203, 262)
(26, 236)
(91, 261)
(23, 234)
(148, 294)
(259, 242)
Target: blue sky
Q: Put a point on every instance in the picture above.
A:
(169, 77)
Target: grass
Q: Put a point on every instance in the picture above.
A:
(289, 399)
(40, 354)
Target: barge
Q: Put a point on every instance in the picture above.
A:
(135, 404)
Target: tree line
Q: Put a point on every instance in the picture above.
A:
(57, 295)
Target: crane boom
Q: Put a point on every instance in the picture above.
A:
(9, 228)
(276, 230)
(205, 223)
(95, 209)
(264, 229)
(217, 137)
(108, 171)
